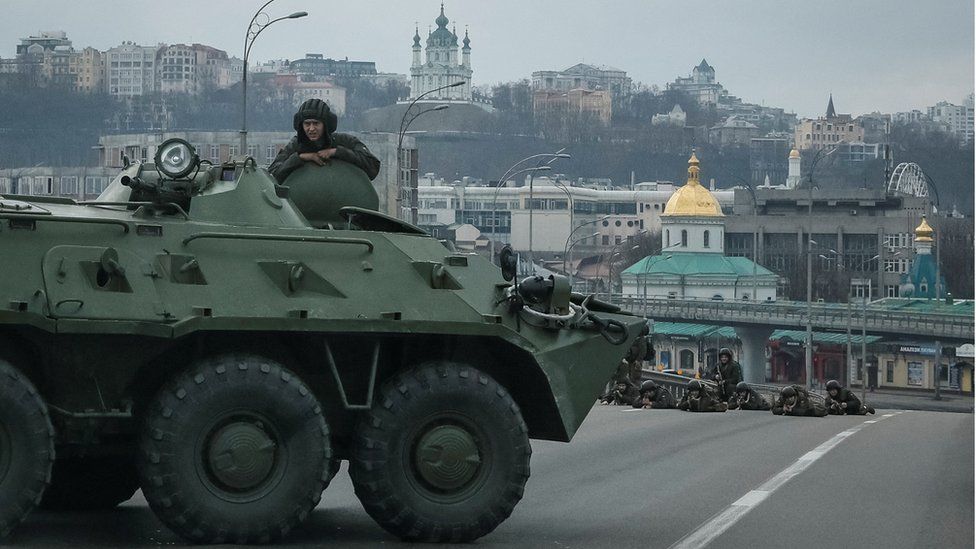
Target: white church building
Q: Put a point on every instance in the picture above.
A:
(438, 65)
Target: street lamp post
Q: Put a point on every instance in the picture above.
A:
(494, 204)
(254, 29)
(575, 242)
(567, 249)
(510, 172)
(405, 122)
(399, 161)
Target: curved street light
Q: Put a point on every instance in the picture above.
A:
(404, 124)
(510, 172)
(494, 203)
(614, 253)
(567, 249)
(254, 29)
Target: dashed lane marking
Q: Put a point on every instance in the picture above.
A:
(719, 523)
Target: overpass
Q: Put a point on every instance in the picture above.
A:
(754, 321)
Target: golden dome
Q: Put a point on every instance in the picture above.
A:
(794, 154)
(692, 199)
(924, 232)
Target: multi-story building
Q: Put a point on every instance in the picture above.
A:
(43, 41)
(315, 64)
(441, 67)
(583, 76)
(80, 183)
(130, 70)
(733, 131)
(828, 131)
(676, 117)
(701, 85)
(290, 86)
(589, 105)
(957, 119)
(176, 69)
(89, 70)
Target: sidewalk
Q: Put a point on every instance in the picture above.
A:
(903, 400)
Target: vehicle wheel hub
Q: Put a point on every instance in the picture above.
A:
(447, 458)
(241, 456)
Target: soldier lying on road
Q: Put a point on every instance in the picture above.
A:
(841, 400)
(795, 401)
(699, 399)
(622, 394)
(654, 396)
(746, 398)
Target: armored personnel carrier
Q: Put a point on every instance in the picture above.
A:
(222, 342)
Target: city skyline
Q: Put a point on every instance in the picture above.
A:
(869, 56)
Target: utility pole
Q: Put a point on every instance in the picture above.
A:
(938, 370)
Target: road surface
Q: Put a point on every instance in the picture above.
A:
(663, 478)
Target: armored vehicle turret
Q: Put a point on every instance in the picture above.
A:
(222, 342)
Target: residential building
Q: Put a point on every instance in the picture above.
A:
(89, 70)
(701, 85)
(676, 117)
(828, 131)
(130, 70)
(583, 76)
(43, 41)
(315, 64)
(957, 119)
(441, 66)
(290, 86)
(732, 132)
(692, 263)
(588, 105)
(176, 67)
(79, 183)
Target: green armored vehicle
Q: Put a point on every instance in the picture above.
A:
(222, 342)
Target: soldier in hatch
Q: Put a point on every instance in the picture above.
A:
(795, 401)
(699, 399)
(654, 396)
(841, 400)
(747, 398)
(317, 143)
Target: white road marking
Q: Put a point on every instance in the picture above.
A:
(719, 523)
(632, 410)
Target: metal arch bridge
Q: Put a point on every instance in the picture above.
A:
(908, 178)
(874, 319)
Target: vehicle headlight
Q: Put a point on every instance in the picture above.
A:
(176, 158)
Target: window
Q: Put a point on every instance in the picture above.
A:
(705, 239)
(890, 371)
(215, 153)
(891, 290)
(69, 185)
(686, 359)
(606, 240)
(684, 238)
(271, 153)
(667, 237)
(617, 239)
(915, 374)
(252, 150)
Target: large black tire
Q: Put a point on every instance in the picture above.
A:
(91, 483)
(26, 447)
(234, 451)
(443, 456)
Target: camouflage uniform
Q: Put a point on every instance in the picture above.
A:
(726, 376)
(657, 397)
(747, 399)
(846, 402)
(622, 394)
(348, 148)
(704, 401)
(803, 406)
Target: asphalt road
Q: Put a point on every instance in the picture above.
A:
(653, 478)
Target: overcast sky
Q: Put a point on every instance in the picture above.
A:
(887, 55)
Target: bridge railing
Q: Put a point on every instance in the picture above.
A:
(794, 314)
(678, 385)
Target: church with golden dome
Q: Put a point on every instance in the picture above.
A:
(692, 263)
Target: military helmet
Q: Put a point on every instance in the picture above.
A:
(788, 392)
(725, 351)
(833, 385)
(318, 110)
(648, 386)
(741, 387)
(696, 385)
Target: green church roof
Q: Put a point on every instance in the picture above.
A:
(700, 264)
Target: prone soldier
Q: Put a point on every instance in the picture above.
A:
(621, 394)
(747, 398)
(795, 401)
(727, 374)
(653, 395)
(699, 399)
(841, 400)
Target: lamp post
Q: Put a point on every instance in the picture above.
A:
(405, 122)
(755, 234)
(575, 242)
(647, 267)
(614, 253)
(254, 29)
(494, 203)
(404, 125)
(567, 248)
(510, 172)
(808, 351)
